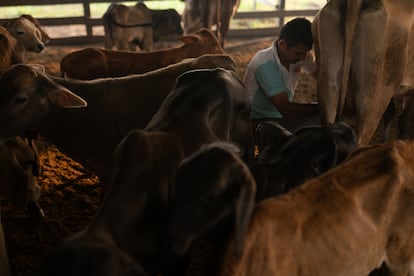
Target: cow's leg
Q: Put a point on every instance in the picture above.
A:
(4, 260)
(108, 42)
(401, 256)
(406, 120)
(328, 42)
(147, 41)
(224, 28)
(376, 51)
(387, 117)
(122, 45)
(132, 46)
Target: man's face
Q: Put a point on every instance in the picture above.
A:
(293, 54)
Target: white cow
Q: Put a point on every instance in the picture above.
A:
(363, 50)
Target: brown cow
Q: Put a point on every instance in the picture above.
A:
(18, 185)
(345, 222)
(44, 36)
(127, 27)
(204, 14)
(11, 52)
(135, 208)
(92, 63)
(30, 99)
(28, 32)
(365, 57)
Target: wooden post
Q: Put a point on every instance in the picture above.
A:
(87, 17)
(282, 18)
(218, 32)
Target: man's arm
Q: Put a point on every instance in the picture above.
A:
(293, 110)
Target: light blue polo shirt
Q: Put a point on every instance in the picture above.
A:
(265, 77)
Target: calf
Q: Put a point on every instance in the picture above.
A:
(10, 51)
(28, 32)
(345, 222)
(18, 36)
(126, 27)
(18, 163)
(30, 100)
(18, 185)
(310, 152)
(124, 229)
(214, 194)
(270, 136)
(146, 161)
(217, 96)
(92, 63)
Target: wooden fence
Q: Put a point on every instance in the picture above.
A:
(91, 36)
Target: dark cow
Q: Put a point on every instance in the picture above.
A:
(18, 185)
(219, 97)
(270, 136)
(32, 100)
(204, 106)
(129, 26)
(205, 14)
(214, 196)
(310, 152)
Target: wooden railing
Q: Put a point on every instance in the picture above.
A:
(89, 23)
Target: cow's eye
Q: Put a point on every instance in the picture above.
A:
(19, 100)
(20, 32)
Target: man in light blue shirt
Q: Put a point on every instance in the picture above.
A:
(272, 75)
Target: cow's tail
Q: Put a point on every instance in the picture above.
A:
(107, 23)
(351, 20)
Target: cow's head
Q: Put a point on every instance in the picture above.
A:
(213, 185)
(206, 41)
(18, 183)
(25, 94)
(27, 33)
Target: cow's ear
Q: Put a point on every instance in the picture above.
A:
(60, 95)
(65, 98)
(38, 68)
(191, 38)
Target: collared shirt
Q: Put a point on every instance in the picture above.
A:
(265, 77)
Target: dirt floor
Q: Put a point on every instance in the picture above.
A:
(70, 193)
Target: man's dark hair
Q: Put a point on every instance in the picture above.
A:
(297, 31)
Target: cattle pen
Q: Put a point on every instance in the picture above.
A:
(70, 192)
(91, 29)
